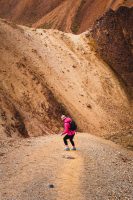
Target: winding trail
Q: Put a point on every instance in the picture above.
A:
(98, 170)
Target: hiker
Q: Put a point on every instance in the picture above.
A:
(69, 129)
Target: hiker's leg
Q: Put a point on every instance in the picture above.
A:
(71, 140)
(66, 143)
(65, 140)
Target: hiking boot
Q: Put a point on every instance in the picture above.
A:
(74, 149)
(67, 149)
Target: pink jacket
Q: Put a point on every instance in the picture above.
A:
(67, 126)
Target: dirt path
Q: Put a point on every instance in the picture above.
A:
(99, 170)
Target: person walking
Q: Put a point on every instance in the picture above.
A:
(69, 132)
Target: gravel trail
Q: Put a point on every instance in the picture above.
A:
(39, 169)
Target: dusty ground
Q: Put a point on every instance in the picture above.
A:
(99, 169)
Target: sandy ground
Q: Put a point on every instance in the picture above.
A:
(99, 169)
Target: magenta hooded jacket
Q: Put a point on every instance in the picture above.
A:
(67, 130)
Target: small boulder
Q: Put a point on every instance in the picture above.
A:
(51, 186)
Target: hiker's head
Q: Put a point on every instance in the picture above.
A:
(63, 117)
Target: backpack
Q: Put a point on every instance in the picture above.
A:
(73, 126)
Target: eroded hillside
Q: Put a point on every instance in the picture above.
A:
(66, 15)
(44, 73)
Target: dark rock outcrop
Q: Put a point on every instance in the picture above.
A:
(113, 34)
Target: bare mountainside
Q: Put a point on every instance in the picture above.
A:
(66, 15)
(44, 73)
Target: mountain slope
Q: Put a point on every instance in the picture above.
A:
(44, 73)
(69, 16)
(61, 17)
(25, 11)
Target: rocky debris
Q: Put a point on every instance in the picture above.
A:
(51, 186)
(124, 158)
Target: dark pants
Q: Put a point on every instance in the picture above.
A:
(69, 137)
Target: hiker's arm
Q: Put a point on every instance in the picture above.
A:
(66, 128)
